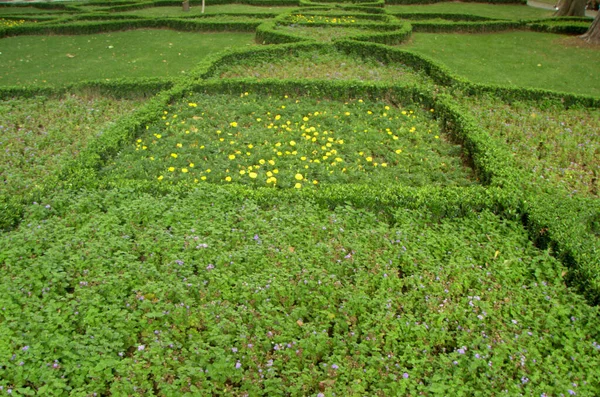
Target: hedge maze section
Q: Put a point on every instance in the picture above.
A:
(311, 209)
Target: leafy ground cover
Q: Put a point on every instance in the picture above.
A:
(323, 33)
(525, 59)
(65, 59)
(330, 65)
(206, 296)
(485, 10)
(37, 135)
(558, 145)
(288, 142)
(208, 9)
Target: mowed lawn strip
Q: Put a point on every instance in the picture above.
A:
(136, 53)
(524, 59)
(497, 11)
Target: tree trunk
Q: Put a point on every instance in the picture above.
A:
(571, 8)
(592, 36)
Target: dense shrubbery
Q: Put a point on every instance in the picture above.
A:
(293, 235)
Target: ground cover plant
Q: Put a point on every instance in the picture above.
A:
(291, 142)
(554, 144)
(526, 59)
(323, 33)
(255, 228)
(39, 134)
(207, 296)
(65, 59)
(326, 64)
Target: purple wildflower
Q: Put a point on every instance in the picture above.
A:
(334, 366)
(405, 375)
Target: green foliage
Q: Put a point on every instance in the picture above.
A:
(305, 298)
(452, 270)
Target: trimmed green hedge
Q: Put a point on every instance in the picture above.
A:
(468, 27)
(450, 17)
(524, 2)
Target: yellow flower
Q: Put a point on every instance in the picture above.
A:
(228, 178)
(203, 177)
(250, 146)
(272, 162)
(171, 169)
(160, 178)
(179, 145)
(174, 155)
(208, 170)
(269, 173)
(347, 113)
(139, 141)
(369, 158)
(231, 156)
(184, 170)
(292, 143)
(298, 185)
(191, 165)
(277, 117)
(298, 177)
(261, 161)
(253, 175)
(152, 158)
(242, 172)
(303, 158)
(304, 118)
(276, 171)
(315, 182)
(158, 136)
(233, 124)
(384, 164)
(398, 151)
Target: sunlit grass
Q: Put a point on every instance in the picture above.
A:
(136, 53)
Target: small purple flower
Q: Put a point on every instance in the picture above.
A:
(179, 262)
(210, 266)
(571, 392)
(477, 355)
(238, 365)
(405, 375)
(141, 347)
(256, 238)
(461, 351)
(234, 349)
(48, 206)
(25, 348)
(320, 395)
(203, 245)
(334, 366)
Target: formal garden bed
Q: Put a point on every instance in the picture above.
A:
(298, 198)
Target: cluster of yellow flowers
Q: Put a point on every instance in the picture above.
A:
(299, 18)
(10, 23)
(277, 147)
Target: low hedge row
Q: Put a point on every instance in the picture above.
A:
(569, 228)
(437, 15)
(466, 27)
(572, 28)
(523, 2)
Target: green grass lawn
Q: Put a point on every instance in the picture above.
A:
(208, 9)
(527, 59)
(136, 53)
(27, 11)
(484, 10)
